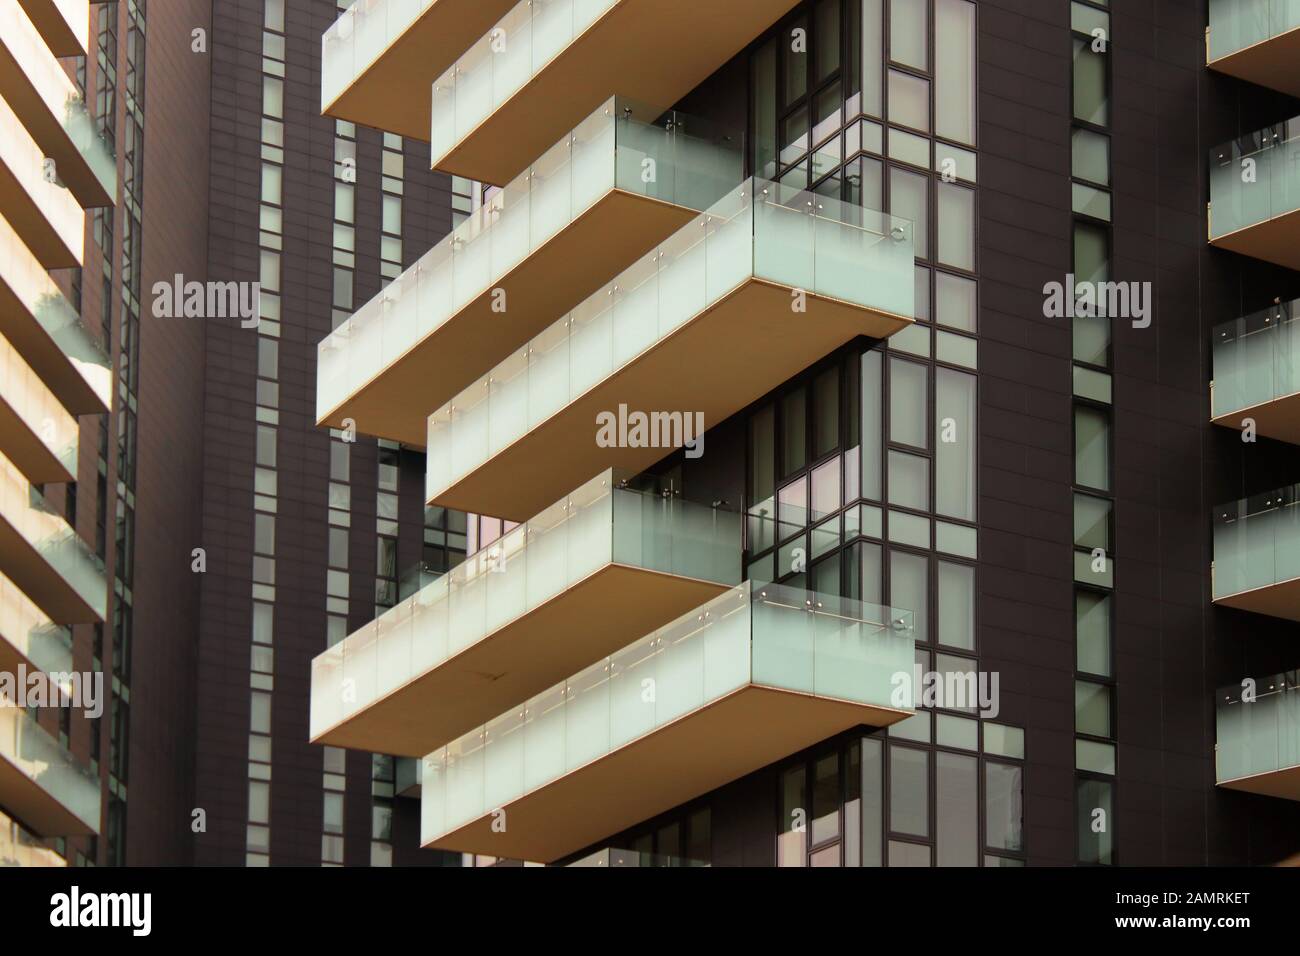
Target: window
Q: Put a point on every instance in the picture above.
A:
(956, 222)
(909, 198)
(956, 810)
(1091, 447)
(909, 589)
(956, 605)
(954, 70)
(954, 468)
(908, 403)
(1092, 712)
(1091, 102)
(1003, 793)
(1092, 632)
(1095, 806)
(907, 33)
(909, 789)
(1090, 156)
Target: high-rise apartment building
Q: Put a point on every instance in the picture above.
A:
(639, 432)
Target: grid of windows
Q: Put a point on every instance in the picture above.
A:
(1094, 528)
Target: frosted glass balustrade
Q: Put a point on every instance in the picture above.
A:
(758, 230)
(1259, 736)
(1257, 542)
(502, 62)
(1257, 358)
(1255, 178)
(767, 635)
(596, 525)
(1237, 24)
(46, 532)
(355, 40)
(41, 759)
(678, 160)
(29, 631)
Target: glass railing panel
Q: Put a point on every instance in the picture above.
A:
(32, 401)
(45, 762)
(362, 32)
(533, 209)
(1255, 178)
(1257, 358)
(1237, 24)
(58, 93)
(20, 848)
(46, 532)
(30, 631)
(779, 637)
(796, 241)
(1259, 731)
(30, 283)
(1257, 542)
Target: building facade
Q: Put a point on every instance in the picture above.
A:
(827, 433)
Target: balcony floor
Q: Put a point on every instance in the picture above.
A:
(1284, 784)
(1276, 600)
(1275, 240)
(717, 363)
(522, 659)
(1278, 419)
(1270, 63)
(706, 749)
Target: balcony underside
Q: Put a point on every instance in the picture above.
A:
(1278, 419)
(708, 748)
(64, 38)
(651, 51)
(31, 803)
(395, 91)
(1276, 600)
(1270, 63)
(1284, 784)
(39, 580)
(521, 660)
(1275, 240)
(615, 232)
(25, 449)
(719, 362)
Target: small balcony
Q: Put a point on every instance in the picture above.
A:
(1257, 372)
(1255, 195)
(28, 636)
(765, 283)
(20, 848)
(43, 214)
(36, 431)
(580, 580)
(754, 675)
(1256, 40)
(603, 196)
(44, 557)
(1258, 748)
(44, 327)
(63, 24)
(47, 103)
(380, 58)
(41, 783)
(614, 858)
(544, 66)
(1257, 554)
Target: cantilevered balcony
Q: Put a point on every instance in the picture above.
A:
(43, 214)
(49, 106)
(603, 196)
(757, 673)
(614, 858)
(544, 66)
(43, 326)
(1257, 372)
(45, 557)
(1256, 40)
(380, 58)
(1257, 554)
(63, 24)
(1258, 747)
(41, 783)
(36, 432)
(1255, 195)
(28, 636)
(20, 848)
(735, 303)
(585, 577)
